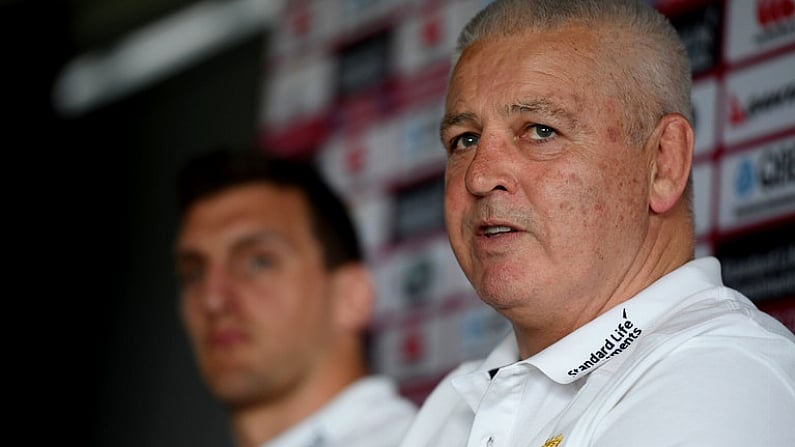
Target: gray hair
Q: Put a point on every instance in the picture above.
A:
(652, 77)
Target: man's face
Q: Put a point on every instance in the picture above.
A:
(254, 291)
(546, 202)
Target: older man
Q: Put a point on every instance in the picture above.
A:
(568, 206)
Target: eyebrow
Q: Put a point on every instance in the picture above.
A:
(247, 241)
(544, 107)
(454, 119)
(254, 239)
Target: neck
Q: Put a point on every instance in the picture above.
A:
(258, 423)
(668, 245)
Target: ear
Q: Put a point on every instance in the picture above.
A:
(353, 295)
(672, 156)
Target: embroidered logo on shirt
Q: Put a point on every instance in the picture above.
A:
(615, 343)
(554, 441)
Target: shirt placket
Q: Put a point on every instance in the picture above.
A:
(496, 414)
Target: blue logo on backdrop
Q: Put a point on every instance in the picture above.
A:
(744, 181)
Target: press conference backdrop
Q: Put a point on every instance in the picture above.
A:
(358, 86)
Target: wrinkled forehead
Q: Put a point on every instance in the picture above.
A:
(594, 47)
(567, 61)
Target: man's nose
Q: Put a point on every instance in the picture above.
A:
(218, 290)
(492, 167)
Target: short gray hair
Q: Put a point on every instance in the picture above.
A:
(652, 77)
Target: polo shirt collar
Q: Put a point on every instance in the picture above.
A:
(606, 337)
(613, 333)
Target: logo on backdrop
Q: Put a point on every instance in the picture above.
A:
(774, 169)
(744, 182)
(760, 104)
(776, 18)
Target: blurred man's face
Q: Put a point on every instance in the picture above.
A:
(254, 291)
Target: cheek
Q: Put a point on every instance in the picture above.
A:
(454, 201)
(576, 197)
(454, 211)
(456, 169)
(612, 199)
(626, 180)
(583, 199)
(271, 303)
(613, 134)
(289, 302)
(192, 318)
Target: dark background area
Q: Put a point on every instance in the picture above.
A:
(105, 361)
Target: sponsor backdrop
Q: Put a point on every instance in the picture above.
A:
(358, 86)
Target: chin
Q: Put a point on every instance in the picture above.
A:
(504, 283)
(503, 291)
(232, 390)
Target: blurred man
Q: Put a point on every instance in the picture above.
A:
(276, 301)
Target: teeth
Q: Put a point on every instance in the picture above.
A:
(496, 230)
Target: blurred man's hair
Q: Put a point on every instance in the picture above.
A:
(225, 167)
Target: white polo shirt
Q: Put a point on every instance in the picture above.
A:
(368, 413)
(686, 362)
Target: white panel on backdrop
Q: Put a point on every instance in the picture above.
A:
(360, 160)
(419, 275)
(705, 104)
(381, 141)
(305, 25)
(359, 13)
(408, 350)
(432, 345)
(480, 330)
(372, 211)
(430, 36)
(703, 196)
(300, 88)
(419, 145)
(339, 166)
(425, 39)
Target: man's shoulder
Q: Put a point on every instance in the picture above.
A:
(719, 331)
(722, 314)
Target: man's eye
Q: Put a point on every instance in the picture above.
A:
(464, 141)
(191, 276)
(259, 262)
(541, 132)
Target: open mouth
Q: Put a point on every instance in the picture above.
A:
(497, 230)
